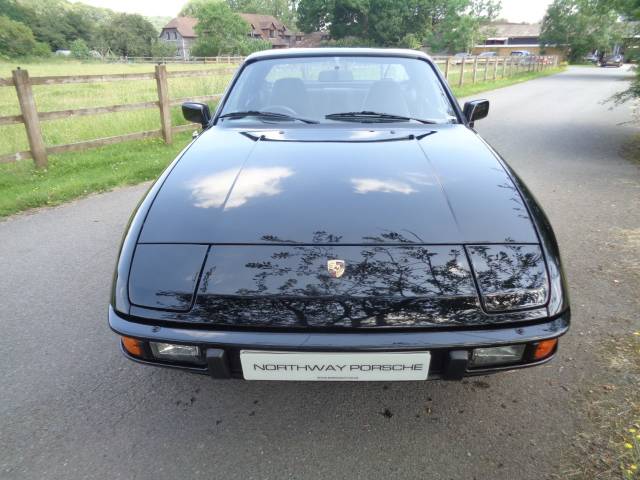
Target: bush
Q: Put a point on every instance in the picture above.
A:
(251, 45)
(410, 41)
(16, 39)
(80, 49)
(162, 49)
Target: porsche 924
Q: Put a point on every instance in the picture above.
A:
(338, 218)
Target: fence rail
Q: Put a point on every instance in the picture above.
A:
(31, 118)
(457, 70)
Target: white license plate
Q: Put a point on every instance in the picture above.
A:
(322, 366)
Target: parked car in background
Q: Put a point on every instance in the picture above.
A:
(458, 57)
(591, 58)
(524, 56)
(487, 54)
(339, 218)
(616, 60)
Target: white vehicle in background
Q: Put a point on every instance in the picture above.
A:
(525, 57)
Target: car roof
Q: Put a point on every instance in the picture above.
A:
(317, 52)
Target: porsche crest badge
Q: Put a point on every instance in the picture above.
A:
(336, 268)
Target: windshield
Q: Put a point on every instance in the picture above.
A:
(386, 89)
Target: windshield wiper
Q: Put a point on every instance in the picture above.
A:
(269, 115)
(368, 116)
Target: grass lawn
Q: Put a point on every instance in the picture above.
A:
(76, 174)
(73, 175)
(79, 95)
(469, 89)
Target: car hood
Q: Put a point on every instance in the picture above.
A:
(316, 185)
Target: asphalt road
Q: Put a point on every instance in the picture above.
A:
(72, 407)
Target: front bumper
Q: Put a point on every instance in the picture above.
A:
(223, 347)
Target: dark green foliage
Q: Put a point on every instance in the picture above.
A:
(126, 35)
(221, 31)
(16, 39)
(283, 10)
(439, 24)
(79, 49)
(163, 49)
(582, 25)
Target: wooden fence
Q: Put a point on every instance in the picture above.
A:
(31, 118)
(463, 70)
(457, 71)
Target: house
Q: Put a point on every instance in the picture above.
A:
(505, 37)
(269, 28)
(181, 32)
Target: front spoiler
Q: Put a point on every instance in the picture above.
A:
(347, 341)
(444, 341)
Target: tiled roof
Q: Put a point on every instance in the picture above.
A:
(184, 25)
(258, 21)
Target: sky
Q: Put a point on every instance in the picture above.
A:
(513, 10)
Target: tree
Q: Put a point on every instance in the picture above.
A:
(283, 10)
(80, 49)
(58, 24)
(441, 24)
(630, 11)
(581, 25)
(126, 35)
(163, 49)
(16, 39)
(221, 31)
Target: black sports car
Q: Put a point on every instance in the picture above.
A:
(338, 218)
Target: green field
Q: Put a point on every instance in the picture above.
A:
(76, 174)
(63, 97)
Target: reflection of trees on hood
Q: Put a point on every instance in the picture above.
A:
(510, 276)
(382, 285)
(401, 285)
(377, 271)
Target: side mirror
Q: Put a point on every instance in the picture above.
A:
(476, 110)
(197, 113)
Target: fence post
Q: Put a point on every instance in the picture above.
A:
(486, 70)
(475, 69)
(495, 70)
(163, 101)
(461, 81)
(446, 69)
(504, 67)
(30, 117)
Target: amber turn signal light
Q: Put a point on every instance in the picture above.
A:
(543, 349)
(132, 346)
